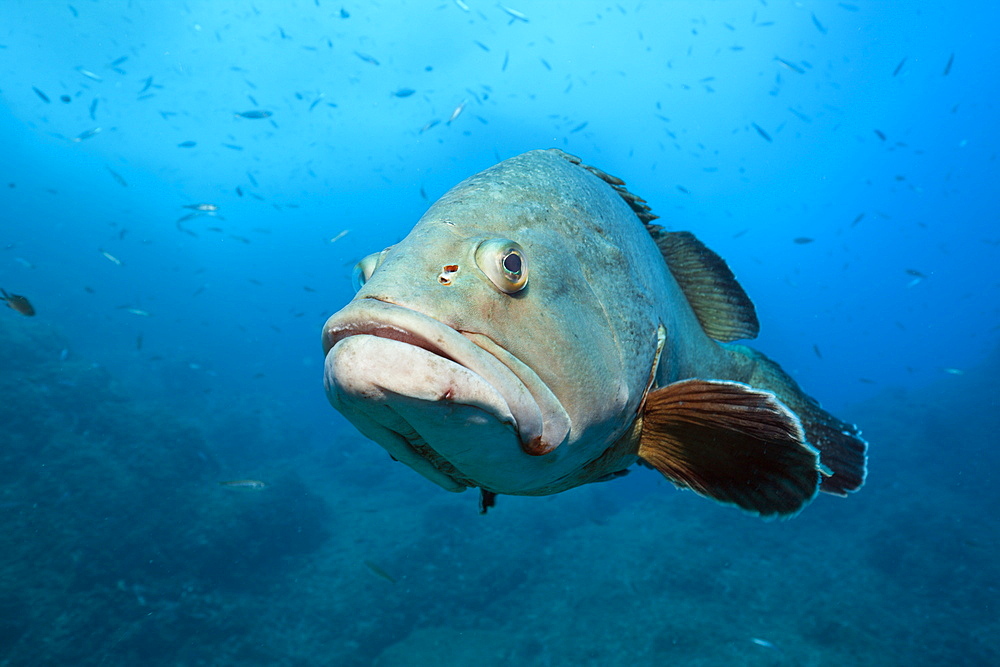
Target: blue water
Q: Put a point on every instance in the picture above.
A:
(167, 356)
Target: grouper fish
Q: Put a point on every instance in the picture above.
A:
(535, 331)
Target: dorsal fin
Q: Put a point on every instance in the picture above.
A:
(722, 307)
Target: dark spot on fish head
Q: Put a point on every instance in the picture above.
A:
(537, 447)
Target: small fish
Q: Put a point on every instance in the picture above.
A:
(189, 216)
(41, 95)
(138, 342)
(233, 147)
(339, 236)
(914, 272)
(880, 134)
(514, 14)
(111, 258)
(89, 74)
(65, 99)
(17, 302)
(367, 58)
(457, 112)
(791, 66)
(118, 177)
(202, 207)
(315, 102)
(954, 371)
(87, 134)
(481, 45)
(118, 61)
(403, 92)
(819, 26)
(506, 59)
(344, 14)
(147, 83)
(857, 219)
(579, 127)
(762, 642)
(802, 240)
(239, 191)
(899, 67)
(761, 132)
(187, 144)
(429, 125)
(947, 67)
(801, 116)
(461, 5)
(816, 350)
(137, 311)
(93, 109)
(253, 180)
(380, 572)
(254, 484)
(254, 114)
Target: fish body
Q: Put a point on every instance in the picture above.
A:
(254, 114)
(18, 303)
(534, 332)
(87, 134)
(253, 484)
(457, 111)
(90, 75)
(202, 207)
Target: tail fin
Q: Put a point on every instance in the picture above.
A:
(842, 450)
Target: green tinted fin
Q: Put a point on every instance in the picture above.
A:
(731, 443)
(722, 307)
(842, 450)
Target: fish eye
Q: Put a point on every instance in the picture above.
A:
(364, 269)
(503, 262)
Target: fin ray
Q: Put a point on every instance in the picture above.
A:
(724, 310)
(729, 442)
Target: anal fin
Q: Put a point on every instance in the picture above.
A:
(732, 443)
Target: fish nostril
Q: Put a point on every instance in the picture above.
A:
(447, 273)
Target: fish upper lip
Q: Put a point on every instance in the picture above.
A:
(373, 316)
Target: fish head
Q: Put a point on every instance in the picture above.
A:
(490, 347)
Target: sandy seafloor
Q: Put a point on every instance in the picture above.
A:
(121, 548)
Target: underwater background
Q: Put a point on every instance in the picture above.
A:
(841, 156)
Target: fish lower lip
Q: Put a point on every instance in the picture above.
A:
(387, 320)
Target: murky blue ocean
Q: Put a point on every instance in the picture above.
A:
(186, 187)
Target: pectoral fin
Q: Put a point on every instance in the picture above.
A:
(730, 442)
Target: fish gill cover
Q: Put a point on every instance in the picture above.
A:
(186, 188)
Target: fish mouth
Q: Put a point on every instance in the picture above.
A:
(452, 368)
